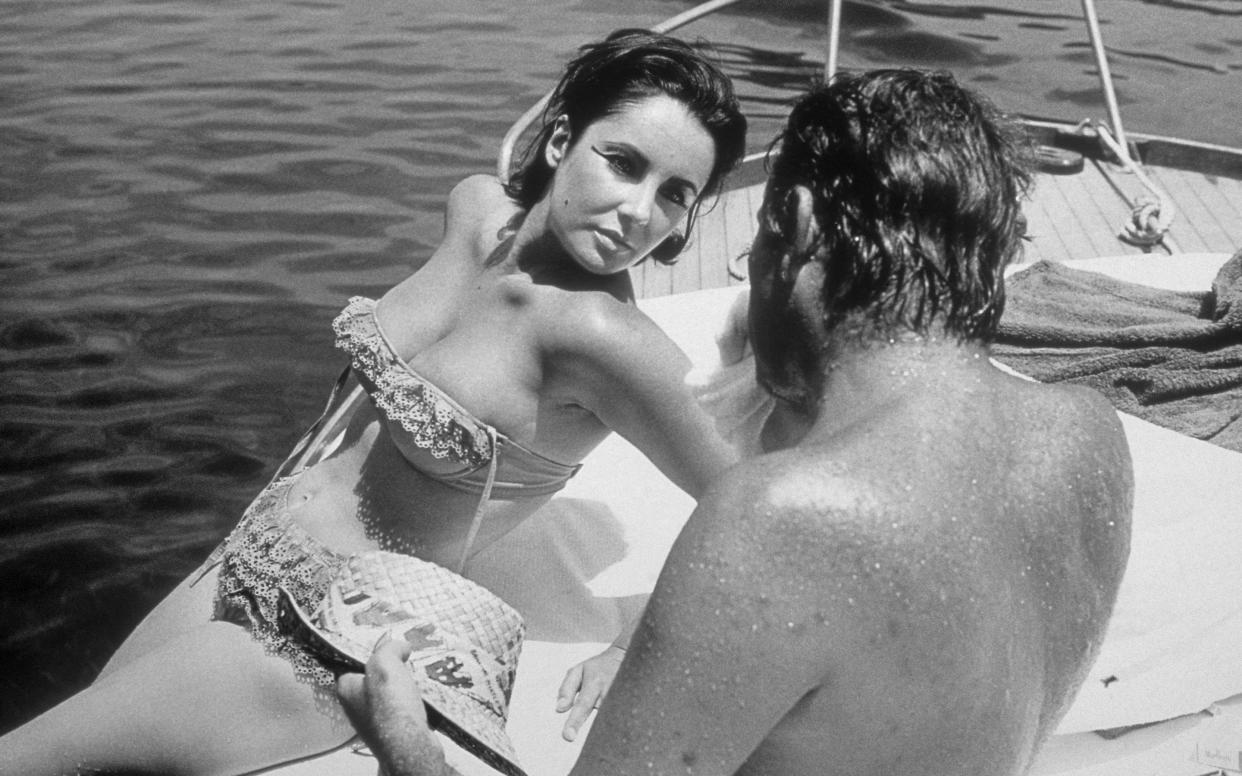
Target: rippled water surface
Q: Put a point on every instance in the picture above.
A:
(189, 191)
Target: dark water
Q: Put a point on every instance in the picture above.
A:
(189, 191)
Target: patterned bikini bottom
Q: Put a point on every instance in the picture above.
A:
(268, 551)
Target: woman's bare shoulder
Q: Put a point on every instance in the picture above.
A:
(603, 319)
(477, 207)
(477, 189)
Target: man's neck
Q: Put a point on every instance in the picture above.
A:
(861, 380)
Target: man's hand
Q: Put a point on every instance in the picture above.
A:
(584, 686)
(387, 710)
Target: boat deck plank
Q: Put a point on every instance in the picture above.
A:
(1208, 208)
(1083, 218)
(1102, 212)
(1069, 217)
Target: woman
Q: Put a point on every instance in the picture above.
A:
(490, 373)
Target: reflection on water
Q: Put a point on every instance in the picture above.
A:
(189, 191)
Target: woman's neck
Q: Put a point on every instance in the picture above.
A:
(533, 249)
(531, 245)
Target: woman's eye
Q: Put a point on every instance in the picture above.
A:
(619, 163)
(676, 196)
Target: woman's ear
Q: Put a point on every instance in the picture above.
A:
(558, 142)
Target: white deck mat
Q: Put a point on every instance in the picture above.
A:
(584, 563)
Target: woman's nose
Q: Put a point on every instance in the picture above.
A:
(636, 208)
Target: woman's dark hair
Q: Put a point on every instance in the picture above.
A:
(917, 184)
(623, 69)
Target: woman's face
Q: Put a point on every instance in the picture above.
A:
(622, 186)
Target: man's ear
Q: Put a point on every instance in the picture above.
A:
(799, 203)
(806, 297)
(806, 230)
(558, 142)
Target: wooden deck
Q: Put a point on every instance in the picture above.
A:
(1074, 216)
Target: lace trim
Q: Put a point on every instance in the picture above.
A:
(437, 424)
(264, 552)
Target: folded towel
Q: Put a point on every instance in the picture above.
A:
(1172, 358)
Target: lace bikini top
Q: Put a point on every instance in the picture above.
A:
(437, 435)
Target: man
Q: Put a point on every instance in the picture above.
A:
(917, 572)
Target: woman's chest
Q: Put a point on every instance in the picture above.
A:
(486, 347)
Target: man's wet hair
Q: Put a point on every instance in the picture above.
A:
(917, 187)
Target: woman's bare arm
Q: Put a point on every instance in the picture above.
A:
(631, 376)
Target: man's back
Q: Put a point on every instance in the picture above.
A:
(919, 590)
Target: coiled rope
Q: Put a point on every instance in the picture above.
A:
(1150, 215)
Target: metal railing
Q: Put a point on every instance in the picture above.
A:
(505, 160)
(505, 157)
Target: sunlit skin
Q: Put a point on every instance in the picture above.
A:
(911, 576)
(911, 579)
(535, 332)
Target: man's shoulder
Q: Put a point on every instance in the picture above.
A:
(1081, 423)
(798, 487)
(1068, 403)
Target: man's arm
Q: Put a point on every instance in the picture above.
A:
(386, 709)
(732, 639)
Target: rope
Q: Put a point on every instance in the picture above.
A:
(1106, 77)
(1149, 221)
(834, 39)
(1150, 216)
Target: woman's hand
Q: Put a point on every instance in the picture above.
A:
(386, 708)
(585, 686)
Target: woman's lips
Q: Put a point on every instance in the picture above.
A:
(612, 240)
